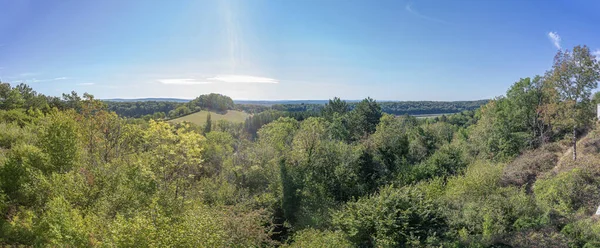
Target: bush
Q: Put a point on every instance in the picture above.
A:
(570, 192)
(18, 116)
(448, 161)
(22, 173)
(483, 212)
(61, 225)
(11, 134)
(583, 233)
(392, 218)
(198, 226)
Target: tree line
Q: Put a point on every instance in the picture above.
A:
(221, 103)
(397, 108)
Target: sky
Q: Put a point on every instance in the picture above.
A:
(288, 49)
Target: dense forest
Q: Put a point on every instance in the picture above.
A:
(396, 108)
(521, 171)
(139, 109)
(220, 103)
(164, 109)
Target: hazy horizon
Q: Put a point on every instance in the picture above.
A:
(291, 100)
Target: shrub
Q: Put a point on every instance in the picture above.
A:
(394, 217)
(11, 134)
(481, 211)
(583, 233)
(577, 190)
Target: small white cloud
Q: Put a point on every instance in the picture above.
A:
(35, 80)
(86, 84)
(182, 81)
(597, 54)
(243, 79)
(555, 38)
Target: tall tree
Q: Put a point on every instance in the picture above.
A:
(365, 117)
(525, 99)
(208, 125)
(10, 98)
(335, 105)
(575, 74)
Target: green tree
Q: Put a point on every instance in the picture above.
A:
(391, 144)
(218, 150)
(60, 140)
(20, 173)
(180, 111)
(365, 117)
(10, 98)
(394, 217)
(208, 125)
(72, 101)
(508, 125)
(175, 155)
(526, 99)
(335, 105)
(212, 101)
(575, 74)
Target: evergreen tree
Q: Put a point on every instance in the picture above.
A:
(208, 125)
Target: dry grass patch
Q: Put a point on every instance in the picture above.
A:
(526, 168)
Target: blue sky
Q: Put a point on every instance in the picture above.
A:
(288, 49)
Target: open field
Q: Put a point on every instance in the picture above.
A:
(432, 115)
(200, 117)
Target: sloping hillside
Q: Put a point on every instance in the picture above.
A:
(200, 117)
(567, 192)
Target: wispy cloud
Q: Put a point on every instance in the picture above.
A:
(34, 80)
(413, 11)
(182, 81)
(234, 79)
(243, 79)
(86, 84)
(555, 39)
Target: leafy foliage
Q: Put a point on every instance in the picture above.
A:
(74, 173)
(392, 218)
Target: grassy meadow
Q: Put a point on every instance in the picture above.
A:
(200, 117)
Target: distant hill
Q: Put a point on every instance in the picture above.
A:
(199, 118)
